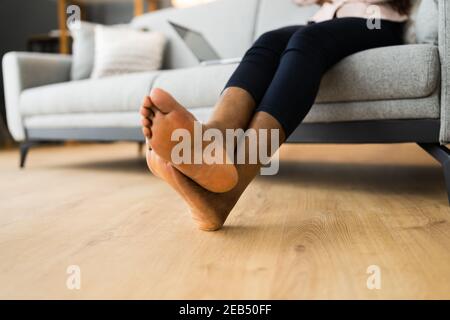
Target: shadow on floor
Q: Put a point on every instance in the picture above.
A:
(132, 165)
(383, 178)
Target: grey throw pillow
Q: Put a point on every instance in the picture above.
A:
(426, 23)
(83, 49)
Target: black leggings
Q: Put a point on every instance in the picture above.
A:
(283, 69)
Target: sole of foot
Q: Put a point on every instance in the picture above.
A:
(208, 209)
(161, 116)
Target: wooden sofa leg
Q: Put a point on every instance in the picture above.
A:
(441, 154)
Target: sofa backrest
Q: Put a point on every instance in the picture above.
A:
(232, 25)
(227, 24)
(426, 22)
(273, 14)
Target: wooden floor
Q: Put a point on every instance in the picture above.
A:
(310, 232)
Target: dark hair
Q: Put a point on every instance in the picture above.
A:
(402, 6)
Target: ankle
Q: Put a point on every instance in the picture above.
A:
(212, 124)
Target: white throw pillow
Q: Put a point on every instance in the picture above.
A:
(83, 49)
(124, 50)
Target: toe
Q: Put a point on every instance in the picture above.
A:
(152, 112)
(147, 132)
(147, 102)
(146, 122)
(164, 101)
(145, 112)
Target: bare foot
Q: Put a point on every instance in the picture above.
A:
(162, 115)
(209, 210)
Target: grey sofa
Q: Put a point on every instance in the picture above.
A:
(386, 95)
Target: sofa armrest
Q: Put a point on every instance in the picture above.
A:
(444, 52)
(24, 70)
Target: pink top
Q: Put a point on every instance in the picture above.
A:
(355, 8)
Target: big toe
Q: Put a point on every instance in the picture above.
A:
(164, 100)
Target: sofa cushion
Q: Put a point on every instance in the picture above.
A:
(196, 87)
(118, 93)
(377, 74)
(97, 120)
(423, 108)
(398, 72)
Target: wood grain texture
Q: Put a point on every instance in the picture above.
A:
(309, 232)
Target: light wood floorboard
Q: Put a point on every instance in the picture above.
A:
(309, 232)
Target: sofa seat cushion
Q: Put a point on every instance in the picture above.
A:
(129, 119)
(397, 72)
(423, 108)
(397, 109)
(111, 94)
